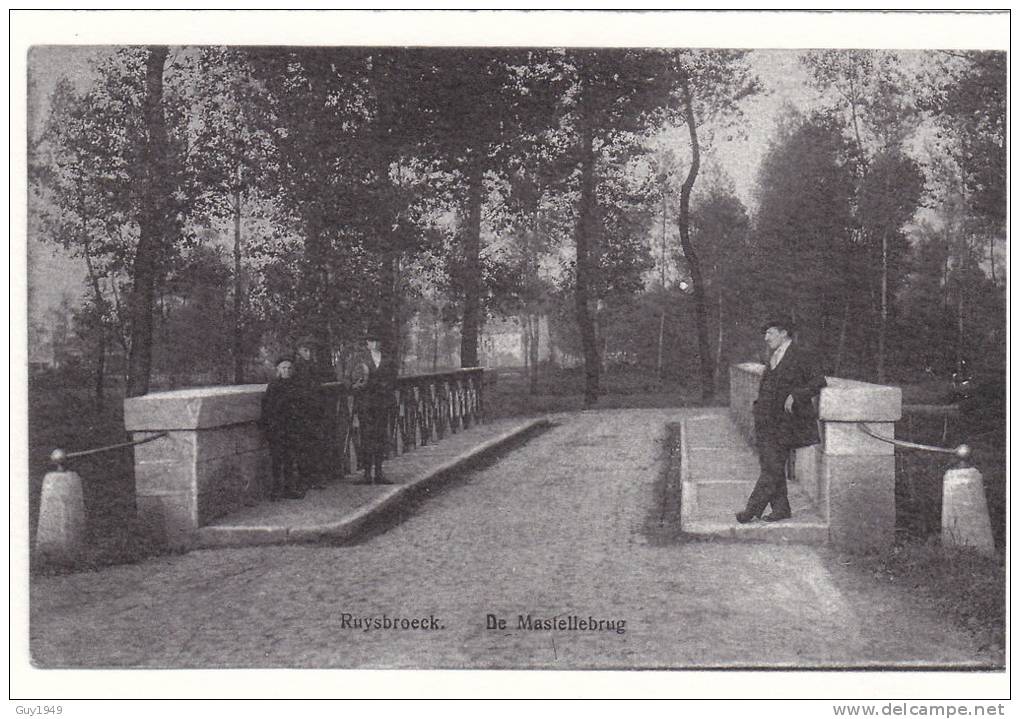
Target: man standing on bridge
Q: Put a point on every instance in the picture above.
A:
(784, 418)
(310, 374)
(374, 403)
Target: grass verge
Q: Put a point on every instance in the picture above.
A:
(966, 588)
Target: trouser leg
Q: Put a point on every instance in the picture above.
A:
(374, 442)
(771, 485)
(277, 462)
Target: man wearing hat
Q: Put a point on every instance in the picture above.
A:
(310, 376)
(784, 418)
(281, 420)
(374, 402)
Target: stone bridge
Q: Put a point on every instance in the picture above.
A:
(211, 468)
(560, 555)
(214, 459)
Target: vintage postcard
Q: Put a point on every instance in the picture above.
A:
(664, 352)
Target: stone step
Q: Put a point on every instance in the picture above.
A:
(808, 529)
(718, 497)
(716, 481)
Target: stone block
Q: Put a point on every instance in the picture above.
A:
(219, 500)
(806, 470)
(216, 444)
(175, 447)
(222, 474)
(249, 438)
(60, 533)
(846, 400)
(171, 518)
(198, 408)
(862, 503)
(162, 477)
(847, 438)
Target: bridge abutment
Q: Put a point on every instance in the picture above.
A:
(212, 461)
(850, 476)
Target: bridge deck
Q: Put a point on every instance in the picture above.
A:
(560, 528)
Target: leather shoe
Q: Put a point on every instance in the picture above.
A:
(744, 517)
(776, 517)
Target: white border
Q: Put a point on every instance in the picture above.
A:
(656, 28)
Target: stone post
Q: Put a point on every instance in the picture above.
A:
(213, 460)
(965, 521)
(857, 473)
(60, 533)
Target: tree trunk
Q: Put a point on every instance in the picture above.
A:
(959, 327)
(991, 258)
(584, 239)
(662, 333)
(841, 345)
(719, 338)
(238, 335)
(697, 281)
(525, 337)
(884, 317)
(100, 370)
(435, 342)
(662, 281)
(533, 326)
(472, 265)
(389, 335)
(100, 302)
(152, 226)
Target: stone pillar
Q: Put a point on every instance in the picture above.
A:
(857, 473)
(744, 381)
(213, 460)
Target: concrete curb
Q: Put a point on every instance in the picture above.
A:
(352, 525)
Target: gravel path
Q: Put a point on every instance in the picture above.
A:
(552, 530)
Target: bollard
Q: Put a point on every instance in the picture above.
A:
(965, 519)
(60, 534)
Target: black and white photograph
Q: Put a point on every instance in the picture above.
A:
(587, 341)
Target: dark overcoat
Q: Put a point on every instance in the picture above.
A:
(283, 410)
(796, 375)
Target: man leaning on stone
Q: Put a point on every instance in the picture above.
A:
(784, 418)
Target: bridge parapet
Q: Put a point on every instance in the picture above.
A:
(214, 458)
(850, 475)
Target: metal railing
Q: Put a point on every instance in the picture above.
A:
(424, 408)
(964, 511)
(59, 457)
(961, 451)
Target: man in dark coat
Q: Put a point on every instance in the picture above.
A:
(282, 416)
(310, 374)
(784, 418)
(374, 407)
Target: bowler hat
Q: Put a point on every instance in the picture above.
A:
(780, 322)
